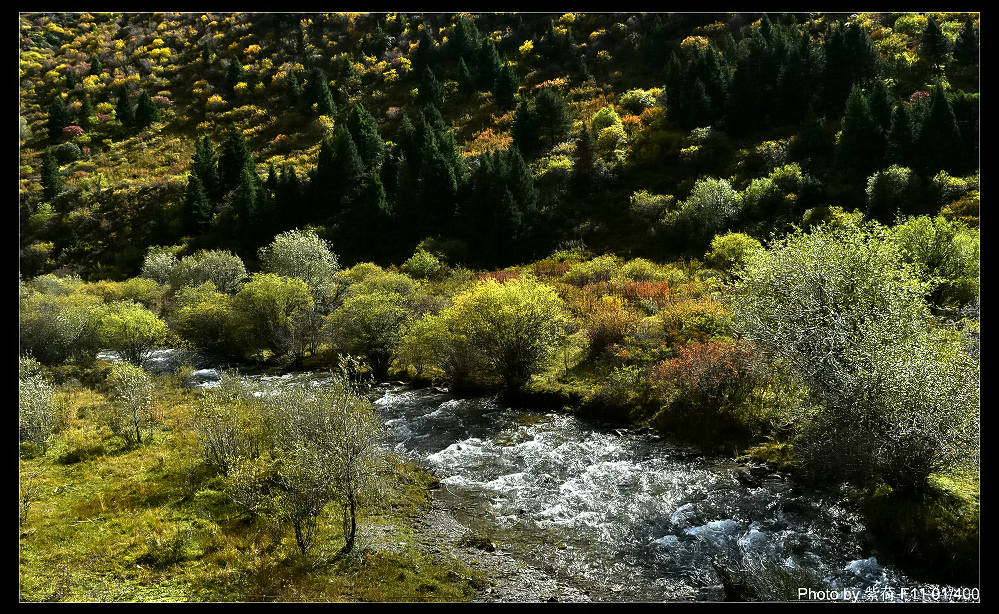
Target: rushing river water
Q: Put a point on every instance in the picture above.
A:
(623, 515)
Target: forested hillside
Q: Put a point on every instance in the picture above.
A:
(283, 275)
(496, 137)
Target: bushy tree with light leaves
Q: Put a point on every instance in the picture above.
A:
(328, 449)
(159, 263)
(231, 423)
(37, 413)
(131, 330)
(712, 206)
(894, 398)
(270, 310)
(128, 411)
(224, 269)
(302, 254)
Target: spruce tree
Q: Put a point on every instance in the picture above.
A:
(86, 112)
(235, 158)
(244, 200)
(95, 66)
(552, 114)
(293, 88)
(861, 142)
(525, 128)
(466, 83)
(123, 110)
(146, 112)
(51, 176)
(506, 86)
(204, 163)
(966, 46)
(317, 91)
(59, 118)
(901, 141)
(348, 164)
(487, 65)
(940, 146)
(464, 39)
(291, 207)
(431, 91)
(234, 74)
(880, 101)
(197, 205)
(426, 52)
(933, 45)
(364, 131)
(584, 162)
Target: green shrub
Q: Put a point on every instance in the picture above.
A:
(222, 268)
(131, 330)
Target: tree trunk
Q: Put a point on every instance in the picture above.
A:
(349, 522)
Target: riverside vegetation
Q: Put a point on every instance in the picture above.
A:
(758, 235)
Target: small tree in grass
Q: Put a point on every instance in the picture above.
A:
(37, 413)
(128, 411)
(328, 449)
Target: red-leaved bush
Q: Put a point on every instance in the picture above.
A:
(708, 376)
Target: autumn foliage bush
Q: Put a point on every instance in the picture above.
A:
(707, 388)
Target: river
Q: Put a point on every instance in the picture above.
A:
(622, 515)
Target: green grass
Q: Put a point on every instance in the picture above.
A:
(935, 533)
(149, 524)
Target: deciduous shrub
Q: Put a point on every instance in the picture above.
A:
(128, 411)
(270, 308)
(222, 268)
(131, 330)
(37, 412)
(302, 254)
(845, 312)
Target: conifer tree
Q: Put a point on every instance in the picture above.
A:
(86, 112)
(426, 52)
(244, 199)
(933, 44)
(58, 118)
(464, 39)
(881, 104)
(317, 91)
(204, 163)
(466, 83)
(966, 45)
(584, 162)
(348, 164)
(525, 128)
(123, 110)
(51, 176)
(901, 140)
(291, 209)
(293, 88)
(364, 131)
(197, 205)
(487, 65)
(235, 158)
(506, 86)
(940, 146)
(861, 143)
(431, 91)
(234, 74)
(552, 114)
(146, 112)
(95, 66)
